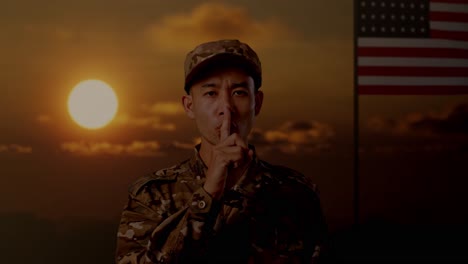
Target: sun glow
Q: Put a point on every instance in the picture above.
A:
(92, 104)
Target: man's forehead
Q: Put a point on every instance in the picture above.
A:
(235, 75)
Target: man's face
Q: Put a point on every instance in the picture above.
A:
(222, 90)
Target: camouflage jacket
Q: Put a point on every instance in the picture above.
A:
(272, 215)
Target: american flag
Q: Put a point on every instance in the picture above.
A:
(412, 46)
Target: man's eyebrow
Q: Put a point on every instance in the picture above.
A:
(210, 84)
(239, 84)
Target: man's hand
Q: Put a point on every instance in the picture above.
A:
(229, 158)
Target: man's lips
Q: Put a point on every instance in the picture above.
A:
(233, 128)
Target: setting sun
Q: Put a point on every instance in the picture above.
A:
(92, 104)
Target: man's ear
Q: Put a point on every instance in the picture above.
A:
(258, 102)
(187, 102)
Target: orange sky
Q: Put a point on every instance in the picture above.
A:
(55, 169)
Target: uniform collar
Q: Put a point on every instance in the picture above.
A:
(198, 165)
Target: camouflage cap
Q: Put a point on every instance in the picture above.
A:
(227, 52)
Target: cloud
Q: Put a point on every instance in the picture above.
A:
(444, 131)
(15, 148)
(147, 116)
(183, 145)
(455, 122)
(211, 21)
(452, 121)
(153, 122)
(164, 108)
(135, 148)
(294, 137)
(430, 147)
(151, 116)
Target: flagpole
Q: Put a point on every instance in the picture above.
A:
(356, 122)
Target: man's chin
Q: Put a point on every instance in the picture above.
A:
(211, 141)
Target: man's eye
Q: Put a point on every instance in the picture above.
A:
(240, 93)
(210, 93)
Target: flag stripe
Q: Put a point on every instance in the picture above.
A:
(412, 90)
(463, 36)
(412, 71)
(449, 7)
(450, 26)
(415, 62)
(449, 17)
(451, 1)
(409, 81)
(405, 42)
(412, 52)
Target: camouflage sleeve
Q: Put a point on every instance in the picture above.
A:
(300, 231)
(149, 234)
(315, 227)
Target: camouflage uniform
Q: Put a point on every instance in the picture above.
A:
(271, 215)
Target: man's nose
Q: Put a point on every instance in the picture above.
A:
(225, 103)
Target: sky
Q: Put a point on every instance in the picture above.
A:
(67, 185)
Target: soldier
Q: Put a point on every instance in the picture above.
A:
(223, 204)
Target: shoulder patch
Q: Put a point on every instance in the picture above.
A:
(136, 186)
(164, 175)
(171, 172)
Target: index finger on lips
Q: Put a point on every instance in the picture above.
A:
(226, 125)
(238, 141)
